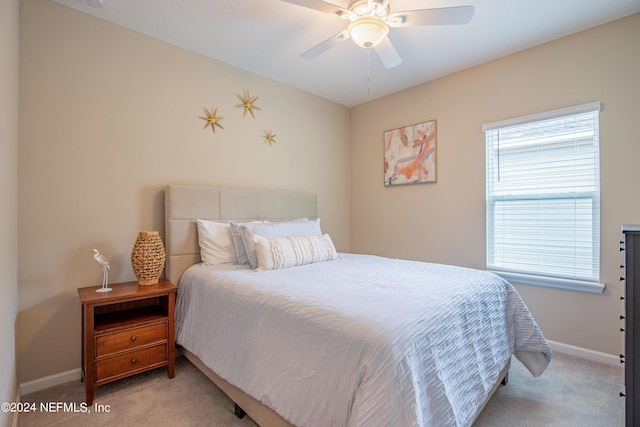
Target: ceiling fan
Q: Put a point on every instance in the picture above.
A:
(369, 22)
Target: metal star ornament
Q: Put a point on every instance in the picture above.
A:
(269, 137)
(212, 119)
(248, 103)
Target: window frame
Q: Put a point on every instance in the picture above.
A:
(517, 275)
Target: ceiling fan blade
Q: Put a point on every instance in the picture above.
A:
(388, 54)
(441, 16)
(319, 5)
(326, 45)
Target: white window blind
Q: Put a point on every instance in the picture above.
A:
(543, 198)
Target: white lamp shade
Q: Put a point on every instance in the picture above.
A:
(368, 32)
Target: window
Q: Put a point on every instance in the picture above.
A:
(543, 198)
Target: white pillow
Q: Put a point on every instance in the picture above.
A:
(295, 228)
(283, 252)
(216, 246)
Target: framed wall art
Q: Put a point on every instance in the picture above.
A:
(410, 154)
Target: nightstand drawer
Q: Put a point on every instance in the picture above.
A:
(130, 339)
(131, 361)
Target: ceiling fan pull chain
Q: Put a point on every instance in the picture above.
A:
(368, 70)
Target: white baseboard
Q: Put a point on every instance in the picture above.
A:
(585, 353)
(50, 381)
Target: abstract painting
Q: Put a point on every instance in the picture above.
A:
(410, 154)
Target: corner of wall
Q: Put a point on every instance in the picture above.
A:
(9, 102)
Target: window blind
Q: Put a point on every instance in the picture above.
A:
(543, 198)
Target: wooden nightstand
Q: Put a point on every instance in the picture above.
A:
(126, 331)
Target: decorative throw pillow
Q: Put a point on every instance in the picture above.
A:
(283, 252)
(295, 228)
(216, 246)
(238, 243)
(236, 237)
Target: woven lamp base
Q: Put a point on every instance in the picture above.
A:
(147, 258)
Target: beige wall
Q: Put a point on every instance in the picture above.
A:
(8, 201)
(108, 117)
(445, 222)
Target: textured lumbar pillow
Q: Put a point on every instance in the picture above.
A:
(295, 228)
(282, 252)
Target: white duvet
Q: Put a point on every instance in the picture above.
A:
(359, 341)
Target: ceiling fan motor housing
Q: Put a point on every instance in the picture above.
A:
(373, 8)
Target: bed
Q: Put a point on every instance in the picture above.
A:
(345, 340)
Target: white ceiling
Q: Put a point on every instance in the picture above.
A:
(267, 36)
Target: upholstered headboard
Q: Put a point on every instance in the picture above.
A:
(186, 203)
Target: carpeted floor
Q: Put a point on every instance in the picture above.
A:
(572, 392)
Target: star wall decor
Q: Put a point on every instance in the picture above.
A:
(269, 137)
(212, 119)
(248, 103)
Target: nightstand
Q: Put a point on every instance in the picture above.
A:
(126, 331)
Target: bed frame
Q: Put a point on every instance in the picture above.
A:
(186, 203)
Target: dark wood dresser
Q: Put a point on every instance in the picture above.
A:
(631, 358)
(126, 331)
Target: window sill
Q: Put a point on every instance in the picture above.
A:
(573, 285)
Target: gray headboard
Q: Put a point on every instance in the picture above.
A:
(186, 203)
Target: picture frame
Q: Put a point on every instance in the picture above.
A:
(410, 154)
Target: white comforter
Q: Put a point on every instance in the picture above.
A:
(360, 341)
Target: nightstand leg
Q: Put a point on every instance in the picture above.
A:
(171, 366)
(82, 333)
(171, 344)
(89, 395)
(88, 351)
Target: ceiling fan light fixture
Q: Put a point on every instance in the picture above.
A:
(368, 32)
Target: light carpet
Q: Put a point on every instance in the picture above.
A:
(572, 392)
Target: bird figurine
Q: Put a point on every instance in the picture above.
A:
(100, 259)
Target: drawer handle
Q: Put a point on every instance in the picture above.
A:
(133, 338)
(133, 361)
